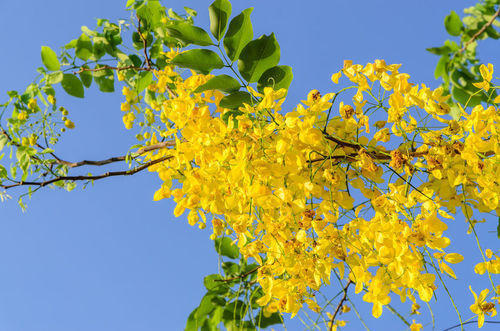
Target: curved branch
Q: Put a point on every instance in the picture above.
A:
(478, 33)
(115, 158)
(344, 298)
(131, 67)
(242, 276)
(90, 177)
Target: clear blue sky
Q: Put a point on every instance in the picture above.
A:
(108, 257)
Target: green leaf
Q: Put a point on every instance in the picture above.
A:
(441, 66)
(202, 60)
(249, 267)
(145, 78)
(174, 15)
(492, 33)
(54, 77)
(232, 113)
(72, 85)
(236, 100)
(47, 150)
(3, 172)
(223, 83)
(89, 32)
(216, 317)
(498, 228)
(219, 12)
(255, 296)
(49, 90)
(264, 322)
(230, 268)
(70, 186)
(190, 11)
(137, 41)
(151, 13)
(192, 323)
(3, 141)
(224, 246)
(189, 33)
(464, 97)
(258, 56)
(206, 306)
(461, 78)
(71, 44)
(86, 76)
(238, 34)
(83, 47)
(277, 77)
(101, 46)
(49, 59)
(112, 35)
(453, 46)
(212, 285)
(234, 310)
(136, 61)
(453, 24)
(439, 50)
(105, 79)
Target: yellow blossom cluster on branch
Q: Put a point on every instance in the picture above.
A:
(363, 190)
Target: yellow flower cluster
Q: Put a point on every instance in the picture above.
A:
(306, 194)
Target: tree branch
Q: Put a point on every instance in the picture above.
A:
(343, 143)
(242, 276)
(478, 33)
(344, 298)
(90, 177)
(115, 158)
(131, 67)
(144, 42)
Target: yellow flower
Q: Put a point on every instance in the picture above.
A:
(22, 116)
(128, 120)
(32, 104)
(487, 74)
(336, 77)
(69, 124)
(346, 309)
(415, 326)
(51, 99)
(480, 306)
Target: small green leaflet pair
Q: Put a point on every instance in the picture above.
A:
(458, 65)
(257, 59)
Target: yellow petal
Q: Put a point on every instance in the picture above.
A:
(489, 253)
(480, 320)
(446, 268)
(377, 310)
(480, 268)
(453, 258)
(336, 77)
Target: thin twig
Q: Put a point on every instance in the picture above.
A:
(478, 33)
(469, 322)
(90, 177)
(144, 42)
(131, 67)
(242, 276)
(115, 158)
(344, 298)
(343, 143)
